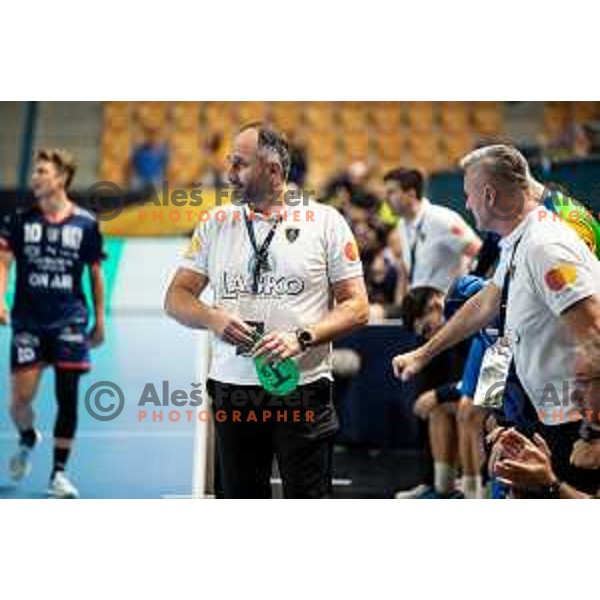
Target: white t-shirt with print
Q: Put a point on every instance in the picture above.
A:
(313, 248)
(441, 236)
(553, 269)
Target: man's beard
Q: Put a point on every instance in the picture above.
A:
(260, 194)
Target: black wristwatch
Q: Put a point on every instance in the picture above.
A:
(552, 491)
(305, 339)
(589, 432)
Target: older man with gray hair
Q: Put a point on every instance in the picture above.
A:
(546, 291)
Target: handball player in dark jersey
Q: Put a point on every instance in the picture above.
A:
(51, 244)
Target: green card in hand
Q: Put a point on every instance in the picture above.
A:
(278, 379)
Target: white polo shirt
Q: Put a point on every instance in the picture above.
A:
(553, 269)
(441, 237)
(313, 248)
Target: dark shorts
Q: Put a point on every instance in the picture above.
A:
(253, 427)
(65, 348)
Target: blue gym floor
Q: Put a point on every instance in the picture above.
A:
(123, 458)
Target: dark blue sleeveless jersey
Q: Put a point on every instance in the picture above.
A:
(50, 260)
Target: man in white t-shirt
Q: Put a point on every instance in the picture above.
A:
(551, 281)
(287, 269)
(438, 245)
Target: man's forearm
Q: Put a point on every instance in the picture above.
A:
(4, 269)
(3, 283)
(5, 260)
(567, 492)
(401, 284)
(582, 321)
(342, 319)
(188, 310)
(98, 293)
(475, 314)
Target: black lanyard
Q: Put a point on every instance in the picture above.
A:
(506, 288)
(413, 249)
(260, 253)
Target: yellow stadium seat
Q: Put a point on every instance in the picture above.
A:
(557, 115)
(385, 115)
(454, 117)
(286, 115)
(354, 116)
(324, 157)
(319, 116)
(318, 175)
(150, 114)
(420, 116)
(389, 148)
(488, 118)
(116, 145)
(112, 170)
(324, 165)
(218, 116)
(423, 151)
(423, 142)
(116, 115)
(322, 144)
(356, 146)
(185, 144)
(185, 116)
(456, 146)
(185, 163)
(585, 111)
(248, 112)
(429, 163)
(184, 171)
(113, 107)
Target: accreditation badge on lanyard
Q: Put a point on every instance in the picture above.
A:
(493, 374)
(279, 378)
(256, 308)
(497, 359)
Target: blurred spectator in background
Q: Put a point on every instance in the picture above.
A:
(386, 280)
(369, 232)
(338, 193)
(215, 172)
(423, 315)
(488, 256)
(378, 242)
(581, 141)
(437, 243)
(148, 161)
(298, 161)
(575, 141)
(352, 186)
(359, 175)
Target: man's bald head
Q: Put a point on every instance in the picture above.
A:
(260, 161)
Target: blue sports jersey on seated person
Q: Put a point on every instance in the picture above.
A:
(516, 408)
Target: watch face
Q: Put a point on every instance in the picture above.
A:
(304, 337)
(554, 490)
